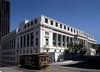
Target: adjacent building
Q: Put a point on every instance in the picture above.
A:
(4, 17)
(43, 34)
(7, 51)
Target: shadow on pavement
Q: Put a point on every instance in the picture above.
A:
(89, 62)
(86, 65)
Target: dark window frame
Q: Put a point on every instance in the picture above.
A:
(64, 27)
(71, 29)
(68, 28)
(54, 39)
(51, 22)
(56, 24)
(60, 25)
(46, 20)
(35, 21)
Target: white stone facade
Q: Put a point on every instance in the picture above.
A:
(44, 34)
(43, 28)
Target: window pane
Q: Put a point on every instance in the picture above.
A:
(64, 27)
(59, 40)
(60, 25)
(35, 21)
(51, 22)
(36, 41)
(32, 39)
(56, 24)
(54, 39)
(28, 40)
(68, 28)
(46, 20)
(47, 41)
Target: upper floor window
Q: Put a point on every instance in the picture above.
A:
(28, 24)
(31, 22)
(24, 40)
(63, 40)
(25, 26)
(67, 39)
(32, 38)
(21, 41)
(46, 33)
(71, 40)
(56, 24)
(64, 27)
(60, 25)
(59, 40)
(74, 30)
(54, 39)
(51, 22)
(71, 29)
(35, 21)
(18, 42)
(27, 40)
(68, 28)
(47, 41)
(46, 20)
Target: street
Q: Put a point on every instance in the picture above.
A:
(52, 68)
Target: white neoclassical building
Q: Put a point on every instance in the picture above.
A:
(44, 34)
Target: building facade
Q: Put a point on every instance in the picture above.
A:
(7, 50)
(4, 17)
(46, 35)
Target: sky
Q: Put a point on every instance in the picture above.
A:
(83, 14)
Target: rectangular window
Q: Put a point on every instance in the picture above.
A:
(59, 40)
(18, 43)
(71, 40)
(35, 21)
(74, 30)
(60, 25)
(56, 24)
(67, 41)
(54, 39)
(28, 40)
(46, 20)
(63, 40)
(46, 33)
(14, 43)
(51, 22)
(21, 41)
(28, 24)
(31, 23)
(47, 41)
(36, 42)
(25, 26)
(32, 39)
(64, 27)
(24, 40)
(71, 29)
(68, 28)
(10, 44)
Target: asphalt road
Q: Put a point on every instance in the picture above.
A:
(66, 66)
(51, 68)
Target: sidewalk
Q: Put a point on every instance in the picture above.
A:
(65, 62)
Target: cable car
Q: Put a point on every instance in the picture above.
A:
(38, 60)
